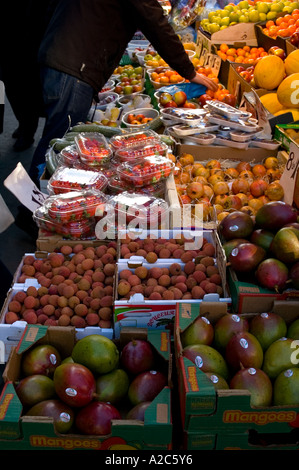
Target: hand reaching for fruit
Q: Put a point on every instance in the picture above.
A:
(203, 80)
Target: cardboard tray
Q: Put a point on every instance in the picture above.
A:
(159, 314)
(203, 409)
(27, 433)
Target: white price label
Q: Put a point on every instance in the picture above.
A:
(213, 61)
(288, 178)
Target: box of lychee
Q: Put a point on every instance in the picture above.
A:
(237, 373)
(154, 274)
(61, 393)
(71, 287)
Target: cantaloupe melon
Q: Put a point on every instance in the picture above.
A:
(269, 72)
(271, 103)
(288, 91)
(291, 62)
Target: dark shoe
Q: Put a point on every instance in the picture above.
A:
(23, 143)
(25, 222)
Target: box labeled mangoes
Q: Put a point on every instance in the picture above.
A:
(214, 410)
(22, 432)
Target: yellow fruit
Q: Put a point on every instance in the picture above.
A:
(291, 62)
(269, 72)
(288, 91)
(271, 103)
(294, 111)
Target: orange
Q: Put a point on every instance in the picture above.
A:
(240, 51)
(223, 47)
(269, 23)
(231, 51)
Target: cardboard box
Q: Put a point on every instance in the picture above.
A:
(27, 433)
(247, 296)
(238, 35)
(205, 410)
(159, 314)
(266, 41)
(249, 440)
(48, 242)
(203, 153)
(284, 137)
(18, 326)
(237, 85)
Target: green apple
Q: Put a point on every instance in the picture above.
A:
(225, 21)
(287, 9)
(262, 16)
(253, 16)
(228, 7)
(271, 15)
(243, 19)
(262, 7)
(213, 28)
(234, 17)
(243, 4)
(277, 6)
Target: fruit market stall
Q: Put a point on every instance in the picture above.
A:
(169, 230)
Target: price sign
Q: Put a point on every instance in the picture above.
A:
(288, 178)
(207, 59)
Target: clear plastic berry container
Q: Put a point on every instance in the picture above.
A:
(141, 151)
(131, 139)
(116, 186)
(74, 206)
(137, 208)
(76, 230)
(146, 171)
(93, 149)
(69, 156)
(66, 179)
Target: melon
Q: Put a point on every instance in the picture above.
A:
(291, 62)
(269, 72)
(271, 103)
(288, 91)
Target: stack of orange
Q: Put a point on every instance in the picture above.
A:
(241, 55)
(166, 77)
(283, 26)
(221, 94)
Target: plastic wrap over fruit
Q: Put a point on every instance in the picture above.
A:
(192, 90)
(185, 12)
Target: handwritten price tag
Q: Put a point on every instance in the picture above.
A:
(288, 178)
(207, 59)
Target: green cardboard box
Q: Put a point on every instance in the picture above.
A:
(249, 297)
(249, 440)
(203, 409)
(282, 136)
(27, 433)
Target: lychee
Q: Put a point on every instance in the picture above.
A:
(164, 280)
(155, 296)
(141, 272)
(189, 267)
(175, 269)
(11, 317)
(197, 292)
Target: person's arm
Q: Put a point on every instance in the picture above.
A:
(155, 26)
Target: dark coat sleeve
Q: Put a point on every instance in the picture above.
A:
(155, 26)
